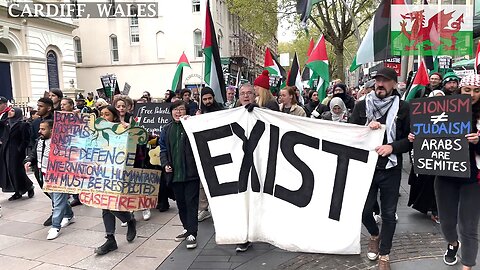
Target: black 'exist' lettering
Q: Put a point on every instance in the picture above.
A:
(344, 153)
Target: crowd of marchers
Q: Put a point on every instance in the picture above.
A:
(450, 201)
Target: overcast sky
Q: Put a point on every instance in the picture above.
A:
(285, 32)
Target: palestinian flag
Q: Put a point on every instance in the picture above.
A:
(274, 67)
(294, 78)
(177, 79)
(307, 74)
(318, 63)
(213, 68)
(477, 59)
(375, 45)
(419, 82)
(304, 8)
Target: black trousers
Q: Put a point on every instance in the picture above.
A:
(163, 193)
(108, 217)
(458, 211)
(388, 183)
(186, 195)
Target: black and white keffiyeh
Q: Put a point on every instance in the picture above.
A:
(376, 108)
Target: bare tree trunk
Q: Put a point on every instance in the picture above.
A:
(340, 72)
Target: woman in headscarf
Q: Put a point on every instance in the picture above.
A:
(15, 140)
(312, 103)
(338, 111)
(340, 90)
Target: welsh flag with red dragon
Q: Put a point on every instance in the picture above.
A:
(431, 29)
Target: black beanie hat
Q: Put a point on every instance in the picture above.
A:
(207, 90)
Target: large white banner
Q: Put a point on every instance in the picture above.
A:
(297, 183)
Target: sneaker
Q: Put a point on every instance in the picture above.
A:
(396, 217)
(450, 257)
(48, 221)
(243, 247)
(191, 242)
(384, 263)
(109, 245)
(372, 253)
(53, 233)
(181, 236)
(132, 230)
(204, 214)
(67, 221)
(378, 218)
(146, 214)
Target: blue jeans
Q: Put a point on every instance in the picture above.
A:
(61, 208)
(388, 182)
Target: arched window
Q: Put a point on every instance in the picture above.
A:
(3, 48)
(114, 48)
(52, 70)
(160, 44)
(77, 45)
(197, 43)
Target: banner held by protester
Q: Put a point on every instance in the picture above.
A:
(95, 158)
(259, 168)
(440, 125)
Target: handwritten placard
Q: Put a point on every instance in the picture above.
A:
(95, 159)
(440, 125)
(153, 116)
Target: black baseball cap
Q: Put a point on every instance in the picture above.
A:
(369, 84)
(3, 100)
(388, 73)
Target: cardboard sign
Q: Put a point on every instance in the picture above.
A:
(271, 177)
(95, 159)
(440, 125)
(126, 89)
(153, 116)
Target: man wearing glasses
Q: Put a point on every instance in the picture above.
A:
(178, 163)
(246, 95)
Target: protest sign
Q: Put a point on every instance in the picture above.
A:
(440, 125)
(152, 116)
(126, 89)
(272, 177)
(95, 158)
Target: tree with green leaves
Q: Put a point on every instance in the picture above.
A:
(258, 17)
(331, 18)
